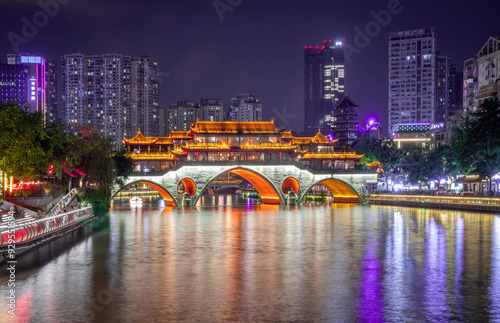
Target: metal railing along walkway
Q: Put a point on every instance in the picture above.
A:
(63, 202)
(28, 228)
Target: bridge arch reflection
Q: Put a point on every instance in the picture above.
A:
(266, 189)
(341, 191)
(164, 193)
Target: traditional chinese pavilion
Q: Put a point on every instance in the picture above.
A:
(236, 141)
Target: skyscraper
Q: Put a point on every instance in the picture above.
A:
(412, 76)
(324, 74)
(448, 91)
(481, 76)
(51, 108)
(116, 94)
(145, 96)
(245, 107)
(442, 87)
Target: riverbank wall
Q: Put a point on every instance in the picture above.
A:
(488, 204)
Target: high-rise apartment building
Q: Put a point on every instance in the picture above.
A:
(245, 107)
(116, 94)
(324, 75)
(448, 92)
(145, 95)
(455, 90)
(412, 76)
(211, 109)
(182, 114)
(38, 91)
(51, 96)
(481, 75)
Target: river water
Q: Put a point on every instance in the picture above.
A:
(265, 263)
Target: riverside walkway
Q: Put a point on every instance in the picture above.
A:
(29, 229)
(490, 204)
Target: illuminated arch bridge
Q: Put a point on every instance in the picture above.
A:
(272, 182)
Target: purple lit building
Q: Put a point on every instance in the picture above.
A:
(14, 83)
(36, 86)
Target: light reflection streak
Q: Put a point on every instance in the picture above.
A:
(395, 279)
(494, 289)
(371, 303)
(435, 273)
(459, 261)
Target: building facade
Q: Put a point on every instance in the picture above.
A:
(182, 114)
(114, 93)
(236, 141)
(245, 107)
(38, 91)
(324, 76)
(211, 109)
(448, 89)
(481, 75)
(412, 76)
(14, 83)
(423, 134)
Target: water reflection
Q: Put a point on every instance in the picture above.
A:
(435, 273)
(266, 263)
(494, 290)
(371, 302)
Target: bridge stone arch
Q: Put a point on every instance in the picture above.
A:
(164, 193)
(270, 176)
(342, 192)
(268, 192)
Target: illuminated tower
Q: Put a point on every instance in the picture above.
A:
(324, 74)
(345, 127)
(412, 77)
(36, 87)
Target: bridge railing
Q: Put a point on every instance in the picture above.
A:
(24, 232)
(251, 163)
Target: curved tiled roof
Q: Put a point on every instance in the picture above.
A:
(235, 127)
(140, 139)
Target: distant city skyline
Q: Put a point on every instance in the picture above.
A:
(257, 48)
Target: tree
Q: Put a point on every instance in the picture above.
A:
(463, 146)
(124, 164)
(21, 152)
(383, 151)
(435, 165)
(486, 138)
(100, 169)
(477, 141)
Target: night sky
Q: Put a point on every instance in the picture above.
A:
(257, 48)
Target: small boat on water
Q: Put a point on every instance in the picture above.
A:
(136, 201)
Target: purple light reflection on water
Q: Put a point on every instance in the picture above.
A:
(494, 289)
(371, 303)
(435, 274)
